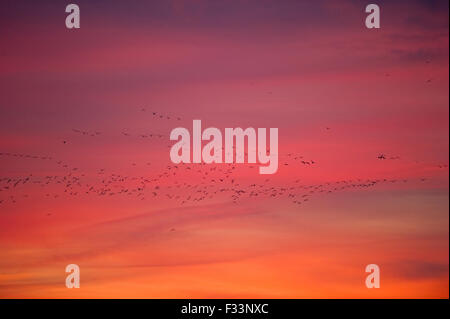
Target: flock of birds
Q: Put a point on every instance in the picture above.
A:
(194, 183)
(183, 184)
(212, 180)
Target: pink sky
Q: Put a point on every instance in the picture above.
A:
(299, 66)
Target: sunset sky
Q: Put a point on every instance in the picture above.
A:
(86, 177)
